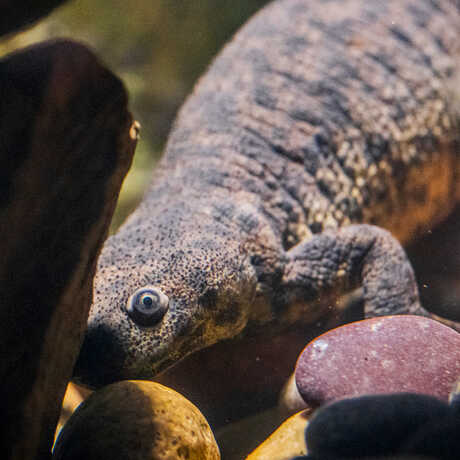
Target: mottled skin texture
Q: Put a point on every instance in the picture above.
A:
(320, 123)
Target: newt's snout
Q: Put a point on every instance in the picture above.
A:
(99, 347)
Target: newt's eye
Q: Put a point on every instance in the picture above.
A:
(147, 306)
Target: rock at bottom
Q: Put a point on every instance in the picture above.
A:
(286, 442)
(133, 420)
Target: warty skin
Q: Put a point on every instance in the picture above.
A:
(322, 127)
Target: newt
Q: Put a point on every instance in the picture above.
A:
(324, 137)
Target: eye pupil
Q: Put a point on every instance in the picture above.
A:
(147, 301)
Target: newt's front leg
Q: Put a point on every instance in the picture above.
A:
(356, 256)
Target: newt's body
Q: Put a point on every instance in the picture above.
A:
(319, 117)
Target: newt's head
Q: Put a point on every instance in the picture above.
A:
(163, 289)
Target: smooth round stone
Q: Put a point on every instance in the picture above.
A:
(372, 425)
(380, 355)
(134, 420)
(286, 442)
(438, 438)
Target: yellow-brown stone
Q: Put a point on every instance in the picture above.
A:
(133, 420)
(286, 442)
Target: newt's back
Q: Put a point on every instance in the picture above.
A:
(333, 112)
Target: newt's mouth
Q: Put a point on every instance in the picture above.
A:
(101, 359)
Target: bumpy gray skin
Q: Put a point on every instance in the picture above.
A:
(321, 122)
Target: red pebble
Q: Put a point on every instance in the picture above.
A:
(380, 355)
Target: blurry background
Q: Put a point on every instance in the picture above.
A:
(158, 47)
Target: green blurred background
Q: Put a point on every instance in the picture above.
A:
(158, 47)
